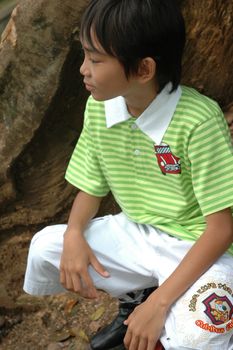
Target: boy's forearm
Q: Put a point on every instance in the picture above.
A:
(210, 246)
(85, 207)
(77, 255)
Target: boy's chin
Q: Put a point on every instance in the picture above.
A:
(97, 98)
(102, 98)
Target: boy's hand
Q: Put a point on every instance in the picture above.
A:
(145, 325)
(75, 260)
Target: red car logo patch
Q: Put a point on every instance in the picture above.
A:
(168, 162)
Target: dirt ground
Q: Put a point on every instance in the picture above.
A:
(64, 321)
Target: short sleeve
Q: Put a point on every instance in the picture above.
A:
(211, 156)
(84, 171)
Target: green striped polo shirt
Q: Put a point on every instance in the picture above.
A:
(171, 185)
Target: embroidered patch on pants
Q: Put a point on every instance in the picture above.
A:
(216, 305)
(218, 309)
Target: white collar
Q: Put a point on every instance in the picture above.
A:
(154, 121)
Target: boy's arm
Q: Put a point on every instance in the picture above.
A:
(214, 242)
(146, 322)
(77, 254)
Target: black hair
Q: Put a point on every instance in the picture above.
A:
(131, 30)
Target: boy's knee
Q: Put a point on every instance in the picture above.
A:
(37, 255)
(42, 273)
(41, 249)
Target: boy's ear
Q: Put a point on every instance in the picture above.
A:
(147, 69)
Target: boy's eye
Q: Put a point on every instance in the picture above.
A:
(94, 60)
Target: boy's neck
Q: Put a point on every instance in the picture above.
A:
(138, 102)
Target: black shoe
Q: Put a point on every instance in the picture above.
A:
(113, 335)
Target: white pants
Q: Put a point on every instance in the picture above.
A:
(138, 257)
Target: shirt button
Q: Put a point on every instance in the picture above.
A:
(137, 152)
(134, 126)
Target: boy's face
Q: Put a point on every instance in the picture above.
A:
(104, 75)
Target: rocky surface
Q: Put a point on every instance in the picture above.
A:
(209, 50)
(41, 106)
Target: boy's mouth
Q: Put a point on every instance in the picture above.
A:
(88, 86)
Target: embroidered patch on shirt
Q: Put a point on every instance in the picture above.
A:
(167, 161)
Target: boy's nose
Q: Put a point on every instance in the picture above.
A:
(84, 69)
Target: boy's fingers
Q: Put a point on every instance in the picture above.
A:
(62, 277)
(127, 339)
(76, 283)
(68, 283)
(99, 267)
(134, 343)
(143, 344)
(89, 288)
(65, 280)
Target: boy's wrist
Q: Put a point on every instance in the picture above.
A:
(161, 299)
(73, 231)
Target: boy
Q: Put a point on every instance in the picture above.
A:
(164, 152)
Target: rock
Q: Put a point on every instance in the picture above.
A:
(8, 321)
(5, 300)
(55, 346)
(2, 321)
(29, 302)
(62, 335)
(98, 313)
(209, 51)
(37, 51)
(79, 333)
(79, 344)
